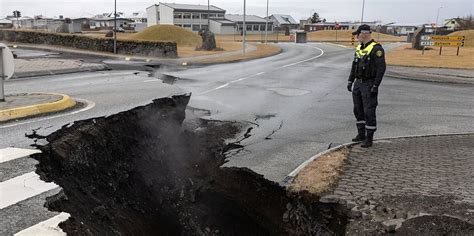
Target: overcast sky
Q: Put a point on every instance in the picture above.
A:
(402, 11)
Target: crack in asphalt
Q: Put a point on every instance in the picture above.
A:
(274, 131)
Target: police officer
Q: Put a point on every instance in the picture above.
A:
(366, 75)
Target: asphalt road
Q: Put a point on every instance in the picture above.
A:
(297, 101)
(300, 103)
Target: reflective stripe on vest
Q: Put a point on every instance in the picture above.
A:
(366, 51)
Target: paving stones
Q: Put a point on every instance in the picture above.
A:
(401, 179)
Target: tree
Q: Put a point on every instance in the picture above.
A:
(316, 19)
(466, 23)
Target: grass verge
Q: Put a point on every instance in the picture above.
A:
(262, 51)
(406, 56)
(321, 175)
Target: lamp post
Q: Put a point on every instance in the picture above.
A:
(437, 17)
(208, 15)
(266, 26)
(115, 26)
(363, 8)
(244, 29)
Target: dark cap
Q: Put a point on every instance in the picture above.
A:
(361, 29)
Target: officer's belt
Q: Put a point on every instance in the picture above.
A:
(364, 80)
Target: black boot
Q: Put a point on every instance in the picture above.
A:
(369, 139)
(360, 133)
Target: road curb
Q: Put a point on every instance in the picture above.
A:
(443, 80)
(59, 72)
(290, 177)
(66, 102)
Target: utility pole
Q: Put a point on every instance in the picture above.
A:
(244, 29)
(266, 26)
(363, 8)
(115, 27)
(2, 76)
(437, 17)
(208, 15)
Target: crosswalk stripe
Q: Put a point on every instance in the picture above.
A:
(21, 188)
(48, 227)
(8, 154)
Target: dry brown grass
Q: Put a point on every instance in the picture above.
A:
(262, 51)
(469, 41)
(171, 33)
(187, 51)
(322, 174)
(317, 36)
(346, 35)
(406, 56)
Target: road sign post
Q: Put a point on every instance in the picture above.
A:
(2, 75)
(6, 68)
(442, 41)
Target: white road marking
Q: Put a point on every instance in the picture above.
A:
(89, 106)
(151, 80)
(48, 227)
(303, 61)
(21, 188)
(8, 154)
(261, 73)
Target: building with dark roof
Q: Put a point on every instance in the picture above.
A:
(192, 17)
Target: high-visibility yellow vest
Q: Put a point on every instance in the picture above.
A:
(360, 53)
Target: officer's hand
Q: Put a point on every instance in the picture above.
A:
(349, 86)
(374, 90)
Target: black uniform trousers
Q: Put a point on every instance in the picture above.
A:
(365, 104)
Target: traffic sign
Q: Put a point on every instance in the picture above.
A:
(427, 43)
(448, 44)
(447, 38)
(7, 66)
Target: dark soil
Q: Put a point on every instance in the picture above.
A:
(140, 172)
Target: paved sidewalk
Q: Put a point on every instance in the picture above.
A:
(432, 74)
(398, 183)
(33, 104)
(22, 100)
(50, 66)
(437, 165)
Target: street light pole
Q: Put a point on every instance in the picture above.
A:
(244, 29)
(363, 8)
(437, 17)
(208, 15)
(266, 26)
(2, 76)
(115, 26)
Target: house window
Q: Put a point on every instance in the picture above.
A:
(196, 27)
(262, 27)
(212, 15)
(196, 16)
(186, 15)
(220, 15)
(187, 26)
(256, 27)
(178, 15)
(249, 27)
(204, 16)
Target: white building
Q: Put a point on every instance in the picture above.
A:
(284, 22)
(253, 24)
(400, 29)
(191, 17)
(223, 26)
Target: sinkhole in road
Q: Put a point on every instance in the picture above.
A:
(143, 172)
